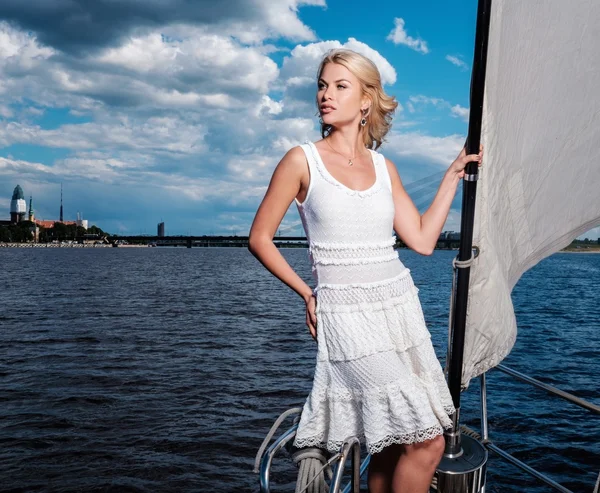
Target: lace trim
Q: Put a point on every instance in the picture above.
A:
(331, 180)
(352, 246)
(357, 261)
(375, 447)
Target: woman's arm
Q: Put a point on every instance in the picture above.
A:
(283, 188)
(421, 233)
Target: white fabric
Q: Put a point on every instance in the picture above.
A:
(376, 376)
(539, 188)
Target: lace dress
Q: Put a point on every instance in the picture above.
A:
(376, 375)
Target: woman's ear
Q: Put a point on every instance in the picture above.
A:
(366, 106)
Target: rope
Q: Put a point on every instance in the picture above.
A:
(309, 463)
(473, 434)
(272, 431)
(463, 264)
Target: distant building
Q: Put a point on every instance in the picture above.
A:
(18, 213)
(61, 206)
(18, 207)
(451, 235)
(51, 222)
(161, 229)
(81, 222)
(31, 214)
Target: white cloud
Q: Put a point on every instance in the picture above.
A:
(399, 36)
(436, 150)
(143, 54)
(268, 106)
(461, 112)
(155, 135)
(414, 102)
(5, 111)
(454, 60)
(20, 49)
(420, 99)
(282, 17)
(201, 60)
(302, 63)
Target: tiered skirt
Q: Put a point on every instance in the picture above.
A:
(377, 376)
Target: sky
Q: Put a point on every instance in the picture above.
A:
(179, 111)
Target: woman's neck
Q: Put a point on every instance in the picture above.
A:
(347, 141)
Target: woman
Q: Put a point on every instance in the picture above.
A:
(376, 374)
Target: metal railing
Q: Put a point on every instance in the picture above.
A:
(541, 385)
(351, 444)
(267, 459)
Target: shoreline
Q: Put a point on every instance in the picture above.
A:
(51, 245)
(579, 251)
(84, 245)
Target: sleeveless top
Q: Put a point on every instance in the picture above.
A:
(349, 232)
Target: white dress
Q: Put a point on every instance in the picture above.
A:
(376, 375)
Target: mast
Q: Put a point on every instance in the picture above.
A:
(459, 310)
(463, 467)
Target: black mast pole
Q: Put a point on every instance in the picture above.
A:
(459, 311)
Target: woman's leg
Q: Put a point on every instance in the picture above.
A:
(416, 466)
(381, 469)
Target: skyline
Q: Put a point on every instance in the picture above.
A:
(181, 112)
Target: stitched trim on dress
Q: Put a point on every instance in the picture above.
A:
(352, 246)
(331, 180)
(357, 261)
(378, 446)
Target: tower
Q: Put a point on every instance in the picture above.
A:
(18, 207)
(81, 221)
(61, 205)
(31, 215)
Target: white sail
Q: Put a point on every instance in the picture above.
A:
(540, 184)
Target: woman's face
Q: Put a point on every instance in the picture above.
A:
(339, 96)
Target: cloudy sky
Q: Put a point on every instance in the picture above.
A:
(179, 110)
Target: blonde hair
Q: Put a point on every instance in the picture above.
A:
(379, 117)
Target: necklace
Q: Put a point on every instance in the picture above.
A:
(350, 163)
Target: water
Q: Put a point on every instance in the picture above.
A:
(149, 370)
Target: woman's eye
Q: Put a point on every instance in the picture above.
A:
(340, 86)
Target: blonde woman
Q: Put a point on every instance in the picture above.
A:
(376, 373)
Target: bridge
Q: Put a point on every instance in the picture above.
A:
(446, 241)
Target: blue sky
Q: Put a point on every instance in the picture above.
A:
(180, 111)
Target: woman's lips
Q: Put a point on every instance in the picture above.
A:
(326, 110)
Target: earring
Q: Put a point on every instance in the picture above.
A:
(363, 122)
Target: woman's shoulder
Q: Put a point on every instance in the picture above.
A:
(294, 161)
(295, 154)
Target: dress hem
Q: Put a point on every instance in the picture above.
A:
(418, 436)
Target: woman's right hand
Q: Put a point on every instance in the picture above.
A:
(311, 317)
